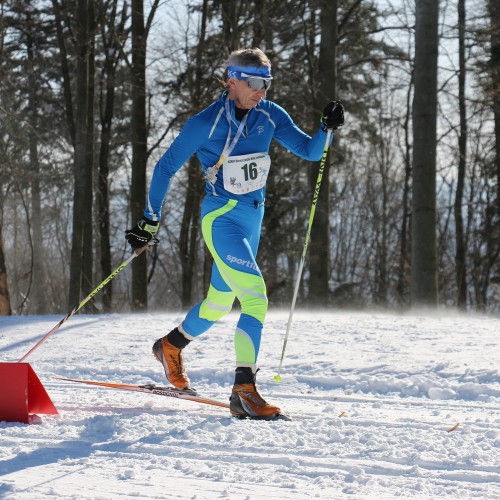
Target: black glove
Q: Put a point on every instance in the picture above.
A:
(333, 115)
(142, 233)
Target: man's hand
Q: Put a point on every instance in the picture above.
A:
(142, 233)
(333, 115)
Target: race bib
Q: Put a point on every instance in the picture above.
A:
(246, 173)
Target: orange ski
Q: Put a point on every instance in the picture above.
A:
(186, 394)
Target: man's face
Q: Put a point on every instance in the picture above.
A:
(245, 96)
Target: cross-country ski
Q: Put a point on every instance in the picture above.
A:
(158, 390)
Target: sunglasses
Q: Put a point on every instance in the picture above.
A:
(258, 83)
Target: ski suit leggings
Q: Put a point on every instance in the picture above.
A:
(231, 231)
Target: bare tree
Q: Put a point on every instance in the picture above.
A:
(5, 308)
(190, 226)
(460, 243)
(81, 247)
(39, 298)
(319, 253)
(404, 246)
(424, 253)
(494, 11)
(113, 33)
(230, 28)
(139, 127)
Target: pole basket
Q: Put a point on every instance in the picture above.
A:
(22, 395)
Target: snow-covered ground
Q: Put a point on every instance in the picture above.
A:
(374, 398)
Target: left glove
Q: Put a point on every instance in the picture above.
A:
(333, 116)
(142, 233)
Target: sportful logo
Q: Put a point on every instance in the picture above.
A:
(260, 129)
(241, 262)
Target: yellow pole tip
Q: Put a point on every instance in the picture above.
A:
(277, 378)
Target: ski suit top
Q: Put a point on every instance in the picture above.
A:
(206, 134)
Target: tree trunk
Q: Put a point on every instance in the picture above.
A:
(5, 308)
(139, 148)
(261, 22)
(88, 240)
(106, 112)
(460, 264)
(65, 71)
(230, 26)
(424, 252)
(494, 9)
(103, 191)
(39, 294)
(190, 227)
(80, 156)
(190, 232)
(404, 252)
(494, 235)
(319, 251)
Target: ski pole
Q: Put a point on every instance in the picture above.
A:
(277, 377)
(99, 287)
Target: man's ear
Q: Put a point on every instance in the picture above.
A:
(231, 83)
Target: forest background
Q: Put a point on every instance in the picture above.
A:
(92, 92)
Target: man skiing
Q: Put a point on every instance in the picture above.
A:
(231, 139)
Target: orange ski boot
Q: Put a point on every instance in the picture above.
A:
(168, 351)
(245, 400)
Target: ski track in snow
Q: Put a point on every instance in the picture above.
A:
(373, 399)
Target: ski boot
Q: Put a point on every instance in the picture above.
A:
(168, 351)
(246, 402)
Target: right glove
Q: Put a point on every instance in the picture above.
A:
(333, 115)
(142, 233)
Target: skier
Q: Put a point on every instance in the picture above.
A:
(231, 139)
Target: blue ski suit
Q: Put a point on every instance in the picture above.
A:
(232, 209)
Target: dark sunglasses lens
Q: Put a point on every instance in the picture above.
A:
(259, 83)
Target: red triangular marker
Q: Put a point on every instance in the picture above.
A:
(22, 395)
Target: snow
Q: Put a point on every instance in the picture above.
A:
(383, 406)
